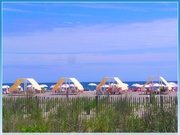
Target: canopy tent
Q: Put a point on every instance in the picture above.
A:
(161, 79)
(104, 80)
(77, 83)
(119, 83)
(74, 80)
(20, 80)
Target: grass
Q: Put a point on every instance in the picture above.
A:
(102, 114)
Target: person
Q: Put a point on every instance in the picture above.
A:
(148, 90)
(7, 91)
(21, 88)
(44, 89)
(157, 91)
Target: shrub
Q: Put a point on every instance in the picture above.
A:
(162, 89)
(34, 128)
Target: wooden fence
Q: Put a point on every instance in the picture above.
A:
(90, 114)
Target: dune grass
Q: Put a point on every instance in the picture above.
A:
(88, 114)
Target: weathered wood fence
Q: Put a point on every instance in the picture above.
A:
(90, 114)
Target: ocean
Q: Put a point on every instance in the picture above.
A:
(86, 86)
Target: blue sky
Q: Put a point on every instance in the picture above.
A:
(89, 41)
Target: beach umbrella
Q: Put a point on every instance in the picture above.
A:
(52, 86)
(43, 86)
(162, 85)
(152, 84)
(72, 85)
(136, 85)
(113, 84)
(126, 84)
(147, 86)
(92, 84)
(173, 84)
(118, 86)
(156, 85)
(5, 86)
(30, 85)
(65, 86)
(105, 86)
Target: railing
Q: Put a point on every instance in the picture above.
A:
(90, 114)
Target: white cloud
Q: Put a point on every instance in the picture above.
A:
(97, 38)
(5, 9)
(13, 9)
(83, 59)
(123, 6)
(90, 67)
(87, 51)
(94, 50)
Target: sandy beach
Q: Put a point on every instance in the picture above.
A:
(93, 94)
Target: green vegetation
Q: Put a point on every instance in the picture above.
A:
(89, 114)
(162, 89)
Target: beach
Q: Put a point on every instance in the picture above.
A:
(128, 94)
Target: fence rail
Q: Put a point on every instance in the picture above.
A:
(90, 114)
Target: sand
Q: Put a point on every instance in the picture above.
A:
(93, 94)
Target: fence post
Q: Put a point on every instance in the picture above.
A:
(108, 94)
(161, 102)
(176, 100)
(67, 93)
(37, 101)
(147, 99)
(96, 98)
(150, 97)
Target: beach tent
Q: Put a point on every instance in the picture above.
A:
(74, 80)
(104, 80)
(107, 79)
(21, 80)
(161, 79)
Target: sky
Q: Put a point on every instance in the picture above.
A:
(89, 41)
